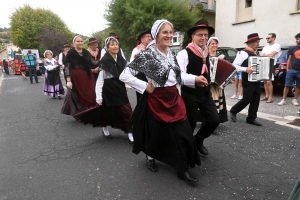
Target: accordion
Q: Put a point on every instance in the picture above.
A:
(221, 72)
(263, 68)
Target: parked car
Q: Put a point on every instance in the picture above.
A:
(228, 52)
(280, 72)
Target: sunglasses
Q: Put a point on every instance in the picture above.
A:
(268, 38)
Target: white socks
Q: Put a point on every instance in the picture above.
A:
(149, 158)
(105, 131)
(130, 137)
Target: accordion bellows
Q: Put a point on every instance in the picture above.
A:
(221, 72)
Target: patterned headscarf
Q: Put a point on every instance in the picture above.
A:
(155, 29)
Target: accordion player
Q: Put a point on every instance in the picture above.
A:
(263, 68)
(221, 72)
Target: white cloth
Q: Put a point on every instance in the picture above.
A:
(69, 85)
(241, 56)
(183, 61)
(103, 52)
(128, 75)
(50, 64)
(135, 51)
(155, 29)
(99, 85)
(270, 48)
(60, 58)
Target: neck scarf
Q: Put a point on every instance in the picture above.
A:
(94, 53)
(250, 49)
(202, 53)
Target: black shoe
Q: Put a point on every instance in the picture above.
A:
(54, 98)
(186, 176)
(59, 97)
(107, 136)
(130, 142)
(233, 116)
(254, 122)
(201, 148)
(151, 165)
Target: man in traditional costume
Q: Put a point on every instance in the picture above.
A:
(194, 61)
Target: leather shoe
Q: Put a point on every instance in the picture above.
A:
(186, 176)
(233, 116)
(130, 142)
(254, 122)
(151, 165)
(201, 148)
(107, 136)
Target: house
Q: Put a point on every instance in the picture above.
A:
(235, 19)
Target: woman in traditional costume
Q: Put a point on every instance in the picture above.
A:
(160, 126)
(111, 93)
(23, 69)
(80, 81)
(52, 82)
(217, 93)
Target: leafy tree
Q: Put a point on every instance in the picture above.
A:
(52, 41)
(129, 17)
(27, 24)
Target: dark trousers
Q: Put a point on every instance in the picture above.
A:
(32, 71)
(208, 111)
(251, 95)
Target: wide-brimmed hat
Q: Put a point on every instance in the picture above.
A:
(200, 24)
(113, 35)
(92, 41)
(66, 45)
(143, 32)
(252, 37)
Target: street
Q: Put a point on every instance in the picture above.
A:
(46, 155)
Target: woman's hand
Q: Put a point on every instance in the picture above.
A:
(150, 88)
(69, 85)
(201, 81)
(99, 102)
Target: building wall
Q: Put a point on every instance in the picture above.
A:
(234, 22)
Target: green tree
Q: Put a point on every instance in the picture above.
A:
(129, 17)
(27, 25)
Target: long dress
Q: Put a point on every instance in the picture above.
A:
(116, 109)
(82, 96)
(52, 83)
(160, 126)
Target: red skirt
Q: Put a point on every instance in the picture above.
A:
(166, 105)
(84, 87)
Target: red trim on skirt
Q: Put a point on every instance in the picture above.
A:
(84, 87)
(166, 105)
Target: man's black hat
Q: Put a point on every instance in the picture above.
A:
(252, 37)
(143, 32)
(200, 24)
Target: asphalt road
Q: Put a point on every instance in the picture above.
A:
(46, 155)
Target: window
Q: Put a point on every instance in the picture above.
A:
(248, 3)
(231, 53)
(175, 40)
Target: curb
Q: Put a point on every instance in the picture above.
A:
(277, 119)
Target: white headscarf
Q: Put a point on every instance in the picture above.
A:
(76, 37)
(210, 39)
(46, 52)
(108, 39)
(155, 29)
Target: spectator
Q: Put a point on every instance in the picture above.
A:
(293, 72)
(272, 50)
(5, 66)
(31, 64)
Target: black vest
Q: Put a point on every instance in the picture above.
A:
(195, 67)
(246, 64)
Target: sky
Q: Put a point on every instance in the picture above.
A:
(82, 17)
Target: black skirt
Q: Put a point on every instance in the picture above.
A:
(170, 143)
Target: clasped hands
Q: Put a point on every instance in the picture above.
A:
(201, 81)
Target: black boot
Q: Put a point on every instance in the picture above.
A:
(151, 165)
(201, 148)
(186, 176)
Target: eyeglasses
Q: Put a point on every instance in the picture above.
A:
(167, 32)
(202, 35)
(268, 38)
